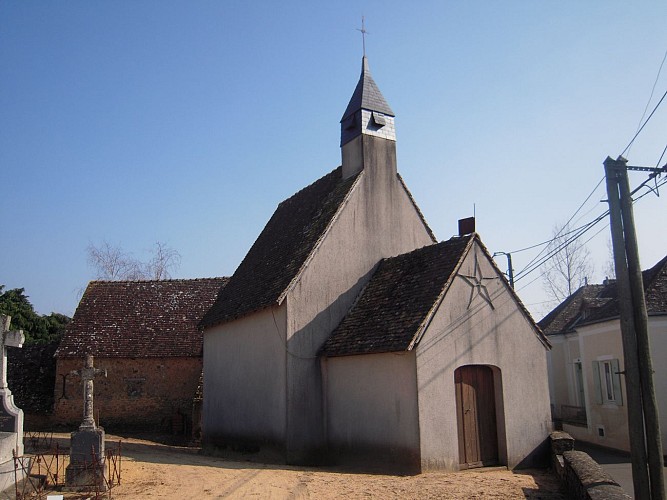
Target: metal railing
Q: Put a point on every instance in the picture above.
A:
(573, 415)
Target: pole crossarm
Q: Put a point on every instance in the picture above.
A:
(655, 170)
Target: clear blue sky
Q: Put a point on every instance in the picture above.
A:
(188, 122)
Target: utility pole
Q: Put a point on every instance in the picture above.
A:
(642, 405)
(510, 271)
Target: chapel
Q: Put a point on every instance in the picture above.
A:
(349, 333)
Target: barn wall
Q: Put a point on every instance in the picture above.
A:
(138, 394)
(244, 381)
(466, 330)
(371, 407)
(379, 220)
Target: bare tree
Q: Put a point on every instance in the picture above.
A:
(113, 263)
(609, 267)
(569, 267)
(164, 260)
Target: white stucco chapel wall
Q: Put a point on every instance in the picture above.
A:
(371, 406)
(245, 380)
(378, 220)
(466, 330)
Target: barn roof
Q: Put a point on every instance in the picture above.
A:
(395, 303)
(140, 319)
(281, 249)
(595, 303)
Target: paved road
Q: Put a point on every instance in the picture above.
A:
(615, 463)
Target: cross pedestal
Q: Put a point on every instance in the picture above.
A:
(86, 460)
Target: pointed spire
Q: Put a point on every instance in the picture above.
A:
(367, 125)
(367, 95)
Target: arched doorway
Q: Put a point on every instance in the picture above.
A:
(476, 416)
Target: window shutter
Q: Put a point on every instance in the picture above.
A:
(615, 368)
(598, 384)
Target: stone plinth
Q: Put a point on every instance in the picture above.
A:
(9, 444)
(86, 467)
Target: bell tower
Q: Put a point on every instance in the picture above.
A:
(367, 133)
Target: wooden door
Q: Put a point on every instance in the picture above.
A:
(476, 416)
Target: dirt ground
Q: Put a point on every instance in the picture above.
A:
(153, 470)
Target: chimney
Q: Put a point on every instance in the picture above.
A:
(466, 226)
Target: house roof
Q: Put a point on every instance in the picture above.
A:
(140, 319)
(655, 293)
(393, 306)
(595, 303)
(566, 314)
(367, 95)
(281, 249)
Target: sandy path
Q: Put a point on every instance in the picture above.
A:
(152, 470)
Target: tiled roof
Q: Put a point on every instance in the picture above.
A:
(367, 95)
(393, 306)
(281, 249)
(594, 303)
(140, 319)
(566, 314)
(655, 292)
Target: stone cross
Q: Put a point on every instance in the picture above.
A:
(87, 374)
(8, 338)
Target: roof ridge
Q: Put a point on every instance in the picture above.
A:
(443, 292)
(170, 280)
(280, 250)
(309, 186)
(414, 204)
(321, 238)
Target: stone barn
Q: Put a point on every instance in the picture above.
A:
(145, 334)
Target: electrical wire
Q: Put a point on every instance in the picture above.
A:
(661, 156)
(565, 225)
(645, 122)
(552, 252)
(655, 83)
(533, 266)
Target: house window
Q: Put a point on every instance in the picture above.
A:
(606, 373)
(608, 382)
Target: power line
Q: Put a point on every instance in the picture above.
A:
(647, 120)
(579, 232)
(570, 219)
(655, 83)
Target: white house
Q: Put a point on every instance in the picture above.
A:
(586, 363)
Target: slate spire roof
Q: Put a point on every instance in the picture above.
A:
(367, 95)
(140, 319)
(281, 249)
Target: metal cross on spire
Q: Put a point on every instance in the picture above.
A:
(363, 34)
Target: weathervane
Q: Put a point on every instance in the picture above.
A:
(363, 34)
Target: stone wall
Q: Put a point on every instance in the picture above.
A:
(149, 394)
(582, 476)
